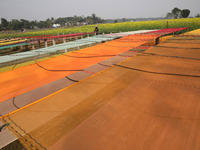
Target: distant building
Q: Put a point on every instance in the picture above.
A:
(82, 23)
(56, 25)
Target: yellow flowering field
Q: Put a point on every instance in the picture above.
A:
(193, 23)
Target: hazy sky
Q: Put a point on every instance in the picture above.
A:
(106, 9)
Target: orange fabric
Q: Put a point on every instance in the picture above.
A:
(21, 80)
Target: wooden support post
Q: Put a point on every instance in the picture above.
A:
(54, 42)
(167, 24)
(33, 46)
(157, 41)
(64, 41)
(46, 44)
(38, 43)
(26, 47)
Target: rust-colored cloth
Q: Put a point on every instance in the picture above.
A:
(24, 79)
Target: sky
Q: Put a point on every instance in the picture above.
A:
(106, 9)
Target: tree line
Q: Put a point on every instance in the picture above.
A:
(22, 24)
(16, 24)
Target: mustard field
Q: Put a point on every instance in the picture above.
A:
(193, 23)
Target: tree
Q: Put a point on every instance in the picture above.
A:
(89, 20)
(185, 13)
(33, 24)
(25, 23)
(4, 23)
(94, 17)
(176, 12)
(42, 24)
(52, 19)
(75, 20)
(60, 21)
(169, 15)
(15, 24)
(49, 23)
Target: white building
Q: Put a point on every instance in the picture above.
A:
(56, 25)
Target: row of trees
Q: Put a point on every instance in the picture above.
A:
(15, 24)
(178, 13)
(198, 16)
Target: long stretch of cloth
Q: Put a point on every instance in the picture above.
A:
(150, 101)
(27, 78)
